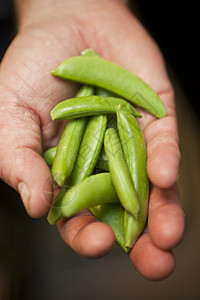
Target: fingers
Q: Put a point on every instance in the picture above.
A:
(151, 262)
(21, 165)
(26, 171)
(163, 152)
(166, 221)
(151, 255)
(86, 236)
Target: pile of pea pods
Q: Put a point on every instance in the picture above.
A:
(100, 160)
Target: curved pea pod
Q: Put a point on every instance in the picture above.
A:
(113, 215)
(69, 143)
(90, 149)
(49, 155)
(134, 148)
(98, 91)
(88, 154)
(99, 72)
(67, 149)
(92, 191)
(120, 174)
(89, 105)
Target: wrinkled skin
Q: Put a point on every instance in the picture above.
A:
(28, 92)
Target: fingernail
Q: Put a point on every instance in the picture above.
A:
(24, 193)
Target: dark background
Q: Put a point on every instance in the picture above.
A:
(175, 27)
(36, 264)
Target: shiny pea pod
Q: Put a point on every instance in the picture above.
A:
(113, 215)
(67, 149)
(90, 149)
(98, 91)
(69, 143)
(120, 174)
(87, 106)
(92, 191)
(99, 72)
(134, 149)
(49, 155)
(88, 154)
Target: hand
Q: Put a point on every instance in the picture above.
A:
(49, 34)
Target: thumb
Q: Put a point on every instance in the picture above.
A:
(21, 163)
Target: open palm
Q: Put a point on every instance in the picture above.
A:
(29, 92)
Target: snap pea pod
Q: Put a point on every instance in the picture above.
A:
(69, 143)
(102, 162)
(92, 191)
(134, 148)
(113, 215)
(67, 149)
(89, 105)
(98, 91)
(97, 71)
(85, 163)
(90, 149)
(49, 155)
(120, 174)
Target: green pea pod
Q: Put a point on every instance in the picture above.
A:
(102, 162)
(120, 174)
(134, 148)
(69, 143)
(67, 149)
(90, 149)
(94, 70)
(89, 105)
(98, 91)
(86, 160)
(92, 191)
(49, 155)
(113, 215)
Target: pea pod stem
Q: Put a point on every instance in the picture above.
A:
(120, 174)
(112, 77)
(89, 105)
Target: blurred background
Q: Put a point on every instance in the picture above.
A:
(34, 261)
